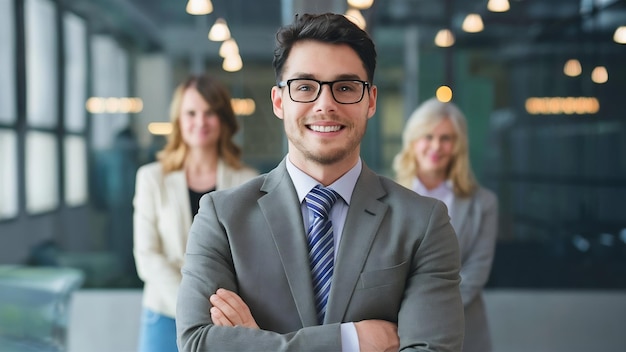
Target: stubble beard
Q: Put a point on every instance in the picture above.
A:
(326, 157)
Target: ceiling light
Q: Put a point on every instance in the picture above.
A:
(562, 105)
(473, 23)
(244, 106)
(498, 5)
(199, 7)
(599, 75)
(444, 94)
(361, 4)
(232, 63)
(620, 35)
(160, 128)
(572, 68)
(229, 48)
(444, 38)
(219, 31)
(355, 17)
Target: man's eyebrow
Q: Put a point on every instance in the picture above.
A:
(349, 76)
(302, 75)
(344, 76)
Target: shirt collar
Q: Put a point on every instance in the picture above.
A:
(443, 189)
(304, 183)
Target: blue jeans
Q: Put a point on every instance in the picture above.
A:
(157, 332)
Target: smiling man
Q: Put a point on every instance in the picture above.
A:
(321, 253)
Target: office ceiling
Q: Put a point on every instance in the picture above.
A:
(530, 25)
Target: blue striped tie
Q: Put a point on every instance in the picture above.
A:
(321, 244)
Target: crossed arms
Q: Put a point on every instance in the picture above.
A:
(230, 310)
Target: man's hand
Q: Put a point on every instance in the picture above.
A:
(377, 335)
(230, 310)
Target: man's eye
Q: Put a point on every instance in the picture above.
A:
(345, 87)
(304, 87)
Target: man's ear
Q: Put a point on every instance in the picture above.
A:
(277, 101)
(371, 108)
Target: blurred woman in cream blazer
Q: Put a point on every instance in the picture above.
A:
(434, 162)
(199, 157)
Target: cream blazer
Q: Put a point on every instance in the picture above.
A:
(161, 221)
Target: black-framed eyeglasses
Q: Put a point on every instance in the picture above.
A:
(307, 90)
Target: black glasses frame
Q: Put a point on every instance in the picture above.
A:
(287, 83)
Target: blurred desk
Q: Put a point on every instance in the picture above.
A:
(34, 307)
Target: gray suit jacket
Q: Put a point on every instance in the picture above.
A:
(398, 260)
(475, 220)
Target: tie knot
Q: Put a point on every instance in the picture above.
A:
(320, 200)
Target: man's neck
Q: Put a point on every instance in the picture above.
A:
(325, 174)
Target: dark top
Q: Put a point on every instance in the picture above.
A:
(194, 197)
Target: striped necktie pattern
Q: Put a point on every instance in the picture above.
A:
(321, 244)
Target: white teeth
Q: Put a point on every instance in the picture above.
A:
(325, 128)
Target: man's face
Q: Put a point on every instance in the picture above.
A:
(323, 132)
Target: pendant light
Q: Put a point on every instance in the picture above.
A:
(444, 38)
(219, 31)
(199, 7)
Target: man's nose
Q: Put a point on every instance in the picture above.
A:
(328, 93)
(326, 100)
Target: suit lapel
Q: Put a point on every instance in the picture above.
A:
(281, 209)
(362, 222)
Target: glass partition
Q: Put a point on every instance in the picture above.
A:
(41, 63)
(75, 173)
(8, 174)
(110, 80)
(75, 33)
(7, 57)
(42, 186)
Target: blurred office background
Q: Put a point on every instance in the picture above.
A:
(85, 87)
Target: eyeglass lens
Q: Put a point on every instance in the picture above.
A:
(344, 91)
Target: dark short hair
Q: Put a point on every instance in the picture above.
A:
(329, 28)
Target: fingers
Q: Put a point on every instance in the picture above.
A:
(232, 300)
(230, 310)
(225, 308)
(219, 318)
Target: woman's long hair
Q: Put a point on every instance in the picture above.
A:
(172, 156)
(421, 122)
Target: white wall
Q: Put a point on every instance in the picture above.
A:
(521, 321)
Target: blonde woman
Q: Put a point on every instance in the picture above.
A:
(199, 157)
(434, 161)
